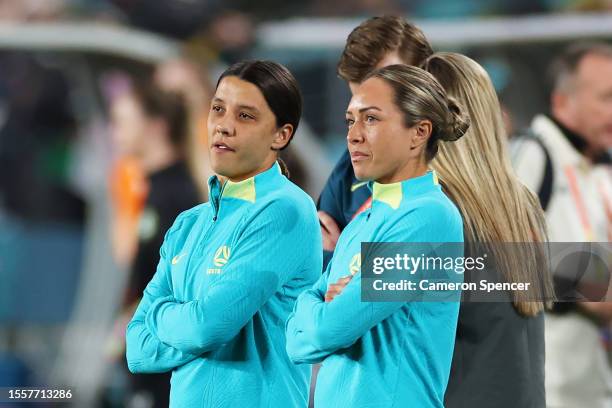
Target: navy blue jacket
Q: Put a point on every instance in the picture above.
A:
(343, 196)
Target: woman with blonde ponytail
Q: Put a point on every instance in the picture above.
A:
(499, 352)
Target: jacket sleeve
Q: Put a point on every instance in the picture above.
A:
(299, 349)
(317, 329)
(276, 246)
(145, 352)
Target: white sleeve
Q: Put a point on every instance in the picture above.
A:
(528, 161)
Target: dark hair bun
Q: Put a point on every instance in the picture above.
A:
(458, 122)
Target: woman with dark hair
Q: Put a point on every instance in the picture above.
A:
(231, 269)
(149, 133)
(386, 354)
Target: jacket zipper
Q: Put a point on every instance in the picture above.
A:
(217, 206)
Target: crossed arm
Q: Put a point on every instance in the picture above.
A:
(317, 328)
(259, 266)
(145, 352)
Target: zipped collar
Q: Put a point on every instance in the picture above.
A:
(245, 190)
(394, 194)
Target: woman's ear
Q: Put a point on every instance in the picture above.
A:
(423, 129)
(282, 137)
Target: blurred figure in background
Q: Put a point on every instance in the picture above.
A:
(151, 128)
(567, 162)
(499, 349)
(36, 144)
(128, 192)
(191, 81)
(375, 43)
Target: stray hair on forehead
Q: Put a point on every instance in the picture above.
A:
(277, 85)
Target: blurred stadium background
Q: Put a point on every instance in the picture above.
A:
(61, 62)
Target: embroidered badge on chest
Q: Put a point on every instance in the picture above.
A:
(221, 258)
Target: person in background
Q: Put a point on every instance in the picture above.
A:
(566, 161)
(150, 127)
(499, 349)
(190, 80)
(375, 43)
(128, 192)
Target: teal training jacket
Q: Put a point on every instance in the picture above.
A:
(229, 274)
(381, 354)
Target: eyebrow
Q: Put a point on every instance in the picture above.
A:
(366, 109)
(247, 107)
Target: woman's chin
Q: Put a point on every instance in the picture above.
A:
(222, 171)
(362, 175)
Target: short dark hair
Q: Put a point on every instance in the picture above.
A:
(565, 65)
(278, 86)
(368, 43)
(165, 105)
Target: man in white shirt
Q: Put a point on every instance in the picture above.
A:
(569, 165)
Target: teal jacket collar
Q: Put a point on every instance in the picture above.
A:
(394, 194)
(245, 190)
